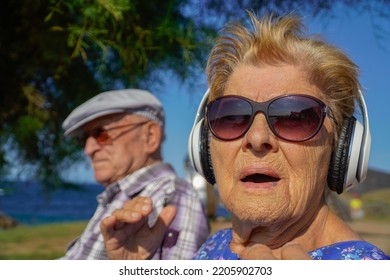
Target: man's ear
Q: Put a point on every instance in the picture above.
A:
(154, 135)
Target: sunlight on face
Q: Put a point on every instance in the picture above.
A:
(262, 179)
(125, 155)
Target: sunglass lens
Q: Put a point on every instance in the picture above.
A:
(229, 117)
(295, 118)
(102, 137)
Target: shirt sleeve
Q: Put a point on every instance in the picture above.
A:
(190, 227)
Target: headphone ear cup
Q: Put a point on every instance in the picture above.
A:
(198, 144)
(205, 156)
(199, 151)
(339, 162)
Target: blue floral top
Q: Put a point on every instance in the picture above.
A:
(217, 248)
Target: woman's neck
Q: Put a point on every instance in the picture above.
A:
(321, 229)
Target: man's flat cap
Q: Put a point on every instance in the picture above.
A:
(136, 101)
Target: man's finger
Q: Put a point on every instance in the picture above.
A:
(131, 204)
(131, 216)
(107, 226)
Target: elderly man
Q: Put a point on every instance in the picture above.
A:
(122, 132)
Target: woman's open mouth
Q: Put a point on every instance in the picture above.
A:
(260, 180)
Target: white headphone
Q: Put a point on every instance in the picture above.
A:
(348, 165)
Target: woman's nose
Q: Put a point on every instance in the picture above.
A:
(259, 136)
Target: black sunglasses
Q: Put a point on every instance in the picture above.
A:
(294, 117)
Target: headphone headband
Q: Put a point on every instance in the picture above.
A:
(366, 145)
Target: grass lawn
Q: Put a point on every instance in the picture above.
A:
(43, 242)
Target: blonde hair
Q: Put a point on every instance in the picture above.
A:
(281, 40)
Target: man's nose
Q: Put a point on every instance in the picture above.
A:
(91, 145)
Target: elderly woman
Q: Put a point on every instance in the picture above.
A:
(278, 108)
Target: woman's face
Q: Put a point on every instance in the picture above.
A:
(261, 178)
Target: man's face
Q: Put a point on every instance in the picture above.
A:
(124, 149)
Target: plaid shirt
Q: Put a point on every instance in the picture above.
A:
(188, 231)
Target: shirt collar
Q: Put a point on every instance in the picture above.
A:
(108, 194)
(136, 181)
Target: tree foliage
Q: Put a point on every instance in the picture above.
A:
(55, 54)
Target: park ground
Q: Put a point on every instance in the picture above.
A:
(45, 242)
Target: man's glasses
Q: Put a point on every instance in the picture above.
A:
(101, 134)
(294, 117)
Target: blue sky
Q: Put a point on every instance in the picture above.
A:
(354, 33)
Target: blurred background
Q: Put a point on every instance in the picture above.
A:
(56, 54)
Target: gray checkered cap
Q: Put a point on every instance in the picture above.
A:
(136, 101)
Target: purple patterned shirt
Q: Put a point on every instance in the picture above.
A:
(188, 231)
